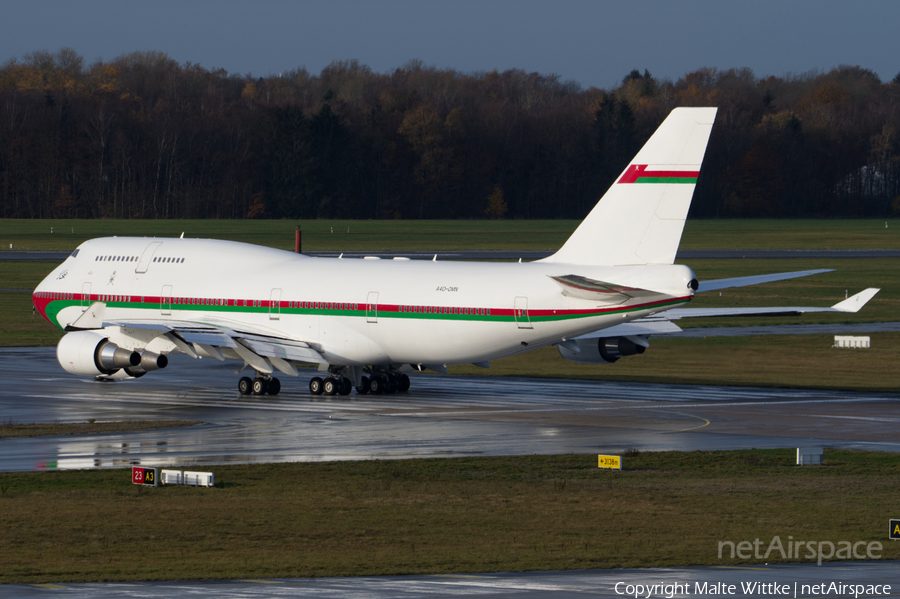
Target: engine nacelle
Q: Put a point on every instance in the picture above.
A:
(149, 361)
(90, 353)
(604, 350)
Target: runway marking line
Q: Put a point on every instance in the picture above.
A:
(705, 422)
(260, 581)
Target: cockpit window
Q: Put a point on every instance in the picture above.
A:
(75, 253)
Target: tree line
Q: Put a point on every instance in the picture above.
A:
(142, 136)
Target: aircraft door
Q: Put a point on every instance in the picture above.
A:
(165, 302)
(372, 307)
(523, 321)
(275, 305)
(147, 257)
(85, 296)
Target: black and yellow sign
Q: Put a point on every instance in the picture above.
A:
(895, 529)
(609, 461)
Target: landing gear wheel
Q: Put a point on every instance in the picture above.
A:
(345, 387)
(315, 386)
(364, 388)
(273, 387)
(245, 385)
(390, 386)
(330, 386)
(259, 386)
(403, 383)
(376, 385)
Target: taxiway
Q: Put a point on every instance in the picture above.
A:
(441, 416)
(589, 583)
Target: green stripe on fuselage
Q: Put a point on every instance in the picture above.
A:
(691, 180)
(56, 306)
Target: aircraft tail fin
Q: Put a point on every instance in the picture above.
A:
(640, 218)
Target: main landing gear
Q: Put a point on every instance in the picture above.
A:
(377, 383)
(333, 385)
(261, 385)
(388, 382)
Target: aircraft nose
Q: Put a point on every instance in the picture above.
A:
(39, 300)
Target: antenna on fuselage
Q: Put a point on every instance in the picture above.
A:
(182, 235)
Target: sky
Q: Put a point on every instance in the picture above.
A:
(593, 42)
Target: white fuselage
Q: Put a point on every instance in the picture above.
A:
(354, 311)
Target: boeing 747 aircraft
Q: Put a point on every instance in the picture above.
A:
(126, 303)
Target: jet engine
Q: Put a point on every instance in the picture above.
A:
(604, 350)
(90, 353)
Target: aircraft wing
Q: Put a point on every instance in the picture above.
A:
(644, 327)
(238, 340)
(851, 305)
(259, 348)
(661, 323)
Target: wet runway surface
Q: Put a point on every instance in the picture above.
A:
(750, 581)
(441, 416)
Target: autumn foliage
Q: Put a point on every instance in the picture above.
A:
(142, 136)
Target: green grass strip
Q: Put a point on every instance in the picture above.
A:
(431, 516)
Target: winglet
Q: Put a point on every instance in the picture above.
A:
(856, 302)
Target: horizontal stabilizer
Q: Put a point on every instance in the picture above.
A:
(585, 288)
(756, 279)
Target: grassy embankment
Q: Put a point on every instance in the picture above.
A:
(437, 235)
(805, 360)
(91, 427)
(437, 516)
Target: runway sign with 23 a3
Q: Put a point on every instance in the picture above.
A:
(143, 476)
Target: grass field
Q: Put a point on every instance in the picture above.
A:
(13, 429)
(437, 516)
(405, 235)
(785, 361)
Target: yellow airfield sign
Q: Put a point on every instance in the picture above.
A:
(609, 461)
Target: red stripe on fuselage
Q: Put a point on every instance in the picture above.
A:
(41, 301)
